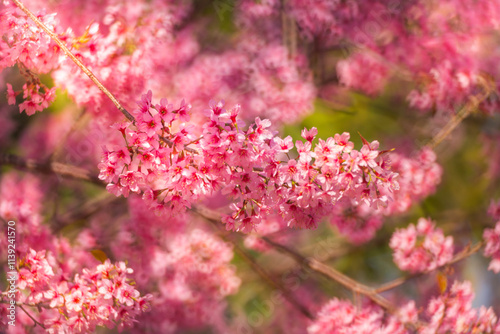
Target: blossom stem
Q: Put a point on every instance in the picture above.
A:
(50, 168)
(464, 112)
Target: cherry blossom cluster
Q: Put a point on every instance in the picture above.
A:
(24, 42)
(421, 248)
(27, 46)
(358, 223)
(400, 36)
(194, 280)
(200, 256)
(418, 177)
(47, 262)
(172, 167)
(23, 206)
(452, 312)
(352, 73)
(193, 276)
(110, 45)
(340, 316)
(104, 296)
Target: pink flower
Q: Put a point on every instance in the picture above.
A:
(284, 145)
(343, 140)
(368, 157)
(183, 111)
(149, 124)
(30, 106)
(165, 110)
(131, 180)
(56, 296)
(127, 295)
(120, 157)
(145, 102)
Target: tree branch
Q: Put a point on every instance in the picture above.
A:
(464, 112)
(31, 317)
(68, 53)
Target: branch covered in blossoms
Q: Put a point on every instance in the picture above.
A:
(174, 164)
(103, 296)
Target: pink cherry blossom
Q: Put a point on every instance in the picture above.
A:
(421, 248)
(492, 249)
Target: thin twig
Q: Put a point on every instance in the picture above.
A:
(466, 252)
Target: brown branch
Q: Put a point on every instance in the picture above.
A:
(271, 281)
(31, 317)
(69, 171)
(68, 53)
(466, 252)
(333, 274)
